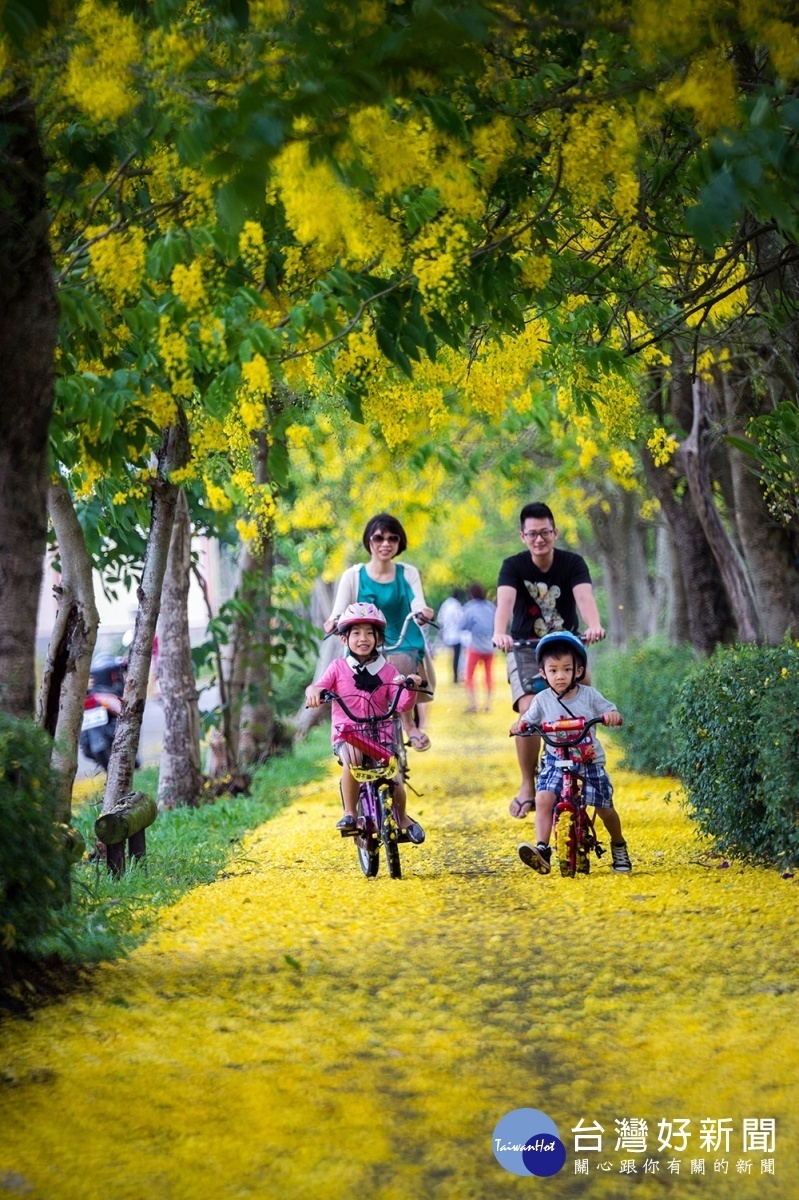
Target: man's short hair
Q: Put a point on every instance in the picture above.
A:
(538, 511)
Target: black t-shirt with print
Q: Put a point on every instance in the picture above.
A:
(544, 599)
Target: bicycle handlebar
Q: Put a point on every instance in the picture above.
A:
(519, 642)
(582, 727)
(327, 696)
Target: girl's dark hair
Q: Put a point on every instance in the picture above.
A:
(477, 592)
(384, 523)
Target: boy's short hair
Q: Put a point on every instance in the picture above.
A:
(555, 650)
(388, 524)
(538, 512)
(477, 592)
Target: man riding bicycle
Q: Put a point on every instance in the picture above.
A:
(540, 591)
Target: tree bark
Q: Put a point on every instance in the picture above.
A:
(173, 453)
(257, 720)
(69, 655)
(321, 604)
(180, 776)
(694, 453)
(770, 549)
(620, 536)
(28, 335)
(708, 612)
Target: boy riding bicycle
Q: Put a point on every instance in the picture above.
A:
(365, 681)
(562, 660)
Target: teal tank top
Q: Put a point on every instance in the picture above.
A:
(395, 601)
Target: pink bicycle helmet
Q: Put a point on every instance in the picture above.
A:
(362, 614)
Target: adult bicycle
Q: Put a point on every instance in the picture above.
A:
(572, 826)
(377, 819)
(399, 731)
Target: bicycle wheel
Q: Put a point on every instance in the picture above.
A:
(388, 832)
(402, 750)
(566, 843)
(367, 846)
(583, 842)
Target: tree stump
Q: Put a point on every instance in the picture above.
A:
(126, 821)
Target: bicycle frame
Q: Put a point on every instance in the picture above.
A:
(572, 826)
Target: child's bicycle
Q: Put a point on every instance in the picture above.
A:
(575, 836)
(378, 819)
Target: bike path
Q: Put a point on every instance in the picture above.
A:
(294, 1030)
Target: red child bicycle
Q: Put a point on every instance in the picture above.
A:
(573, 827)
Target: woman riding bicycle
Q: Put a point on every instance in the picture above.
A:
(396, 589)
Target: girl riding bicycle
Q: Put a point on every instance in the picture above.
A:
(366, 682)
(563, 660)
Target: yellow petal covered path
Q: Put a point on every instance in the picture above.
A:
(295, 1030)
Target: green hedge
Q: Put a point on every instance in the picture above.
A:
(644, 683)
(737, 752)
(33, 866)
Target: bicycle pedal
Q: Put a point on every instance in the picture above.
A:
(351, 832)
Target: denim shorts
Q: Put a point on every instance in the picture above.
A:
(597, 788)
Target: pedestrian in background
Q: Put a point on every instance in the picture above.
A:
(477, 622)
(449, 619)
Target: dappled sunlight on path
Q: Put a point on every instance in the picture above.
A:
(295, 1030)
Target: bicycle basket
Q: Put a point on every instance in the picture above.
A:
(379, 758)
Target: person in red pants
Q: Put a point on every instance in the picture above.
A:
(478, 623)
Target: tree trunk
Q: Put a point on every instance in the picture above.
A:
(173, 453)
(708, 612)
(694, 453)
(257, 723)
(321, 605)
(69, 655)
(28, 334)
(770, 549)
(180, 776)
(620, 536)
(671, 607)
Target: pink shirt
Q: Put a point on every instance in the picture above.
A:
(340, 677)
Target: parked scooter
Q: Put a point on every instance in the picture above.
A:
(102, 707)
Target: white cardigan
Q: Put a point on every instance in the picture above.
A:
(347, 590)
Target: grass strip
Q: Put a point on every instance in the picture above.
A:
(186, 848)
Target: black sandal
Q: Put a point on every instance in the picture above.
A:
(348, 825)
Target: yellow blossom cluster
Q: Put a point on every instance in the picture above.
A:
(161, 407)
(118, 262)
(710, 90)
(662, 446)
(438, 253)
(99, 71)
(174, 351)
(189, 286)
(399, 153)
(180, 189)
(535, 270)
(252, 248)
(599, 158)
(265, 13)
(323, 211)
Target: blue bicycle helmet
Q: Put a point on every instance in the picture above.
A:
(569, 641)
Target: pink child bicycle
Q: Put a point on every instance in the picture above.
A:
(378, 821)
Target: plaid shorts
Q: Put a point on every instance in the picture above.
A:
(597, 788)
